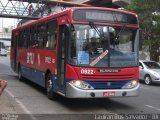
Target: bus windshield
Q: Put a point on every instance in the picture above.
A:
(103, 46)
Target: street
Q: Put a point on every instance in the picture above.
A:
(28, 98)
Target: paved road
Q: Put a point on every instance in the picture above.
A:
(27, 98)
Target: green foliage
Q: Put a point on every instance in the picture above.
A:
(149, 23)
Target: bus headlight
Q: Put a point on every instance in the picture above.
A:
(81, 84)
(130, 84)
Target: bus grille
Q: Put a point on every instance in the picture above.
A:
(107, 84)
(109, 77)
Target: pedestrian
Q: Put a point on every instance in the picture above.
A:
(42, 10)
(30, 10)
(3, 84)
(49, 10)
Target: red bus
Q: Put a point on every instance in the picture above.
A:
(82, 52)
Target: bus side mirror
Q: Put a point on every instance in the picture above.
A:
(140, 39)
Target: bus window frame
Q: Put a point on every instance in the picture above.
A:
(42, 36)
(27, 37)
(53, 48)
(33, 35)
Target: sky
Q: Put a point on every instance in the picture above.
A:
(7, 22)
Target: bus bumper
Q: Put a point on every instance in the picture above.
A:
(74, 92)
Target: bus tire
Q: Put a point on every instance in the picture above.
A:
(49, 87)
(20, 77)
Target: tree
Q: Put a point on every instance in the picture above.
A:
(149, 18)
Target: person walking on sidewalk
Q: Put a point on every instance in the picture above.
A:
(3, 84)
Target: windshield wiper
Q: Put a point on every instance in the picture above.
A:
(116, 38)
(101, 34)
(121, 30)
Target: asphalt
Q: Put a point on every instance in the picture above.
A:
(8, 104)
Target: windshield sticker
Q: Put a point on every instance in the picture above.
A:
(99, 58)
(83, 57)
(100, 50)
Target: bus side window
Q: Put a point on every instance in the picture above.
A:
(33, 37)
(20, 39)
(41, 35)
(12, 40)
(50, 42)
(25, 37)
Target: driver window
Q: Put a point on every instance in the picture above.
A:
(93, 45)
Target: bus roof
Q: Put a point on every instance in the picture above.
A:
(70, 10)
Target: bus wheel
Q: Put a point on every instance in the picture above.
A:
(20, 77)
(49, 87)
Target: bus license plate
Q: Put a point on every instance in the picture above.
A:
(109, 94)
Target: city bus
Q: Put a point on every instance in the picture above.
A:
(81, 52)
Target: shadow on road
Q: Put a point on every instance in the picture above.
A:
(81, 104)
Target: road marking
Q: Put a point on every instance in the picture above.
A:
(21, 105)
(155, 108)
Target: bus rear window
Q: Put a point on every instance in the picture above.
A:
(104, 16)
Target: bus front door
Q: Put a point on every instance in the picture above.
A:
(61, 67)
